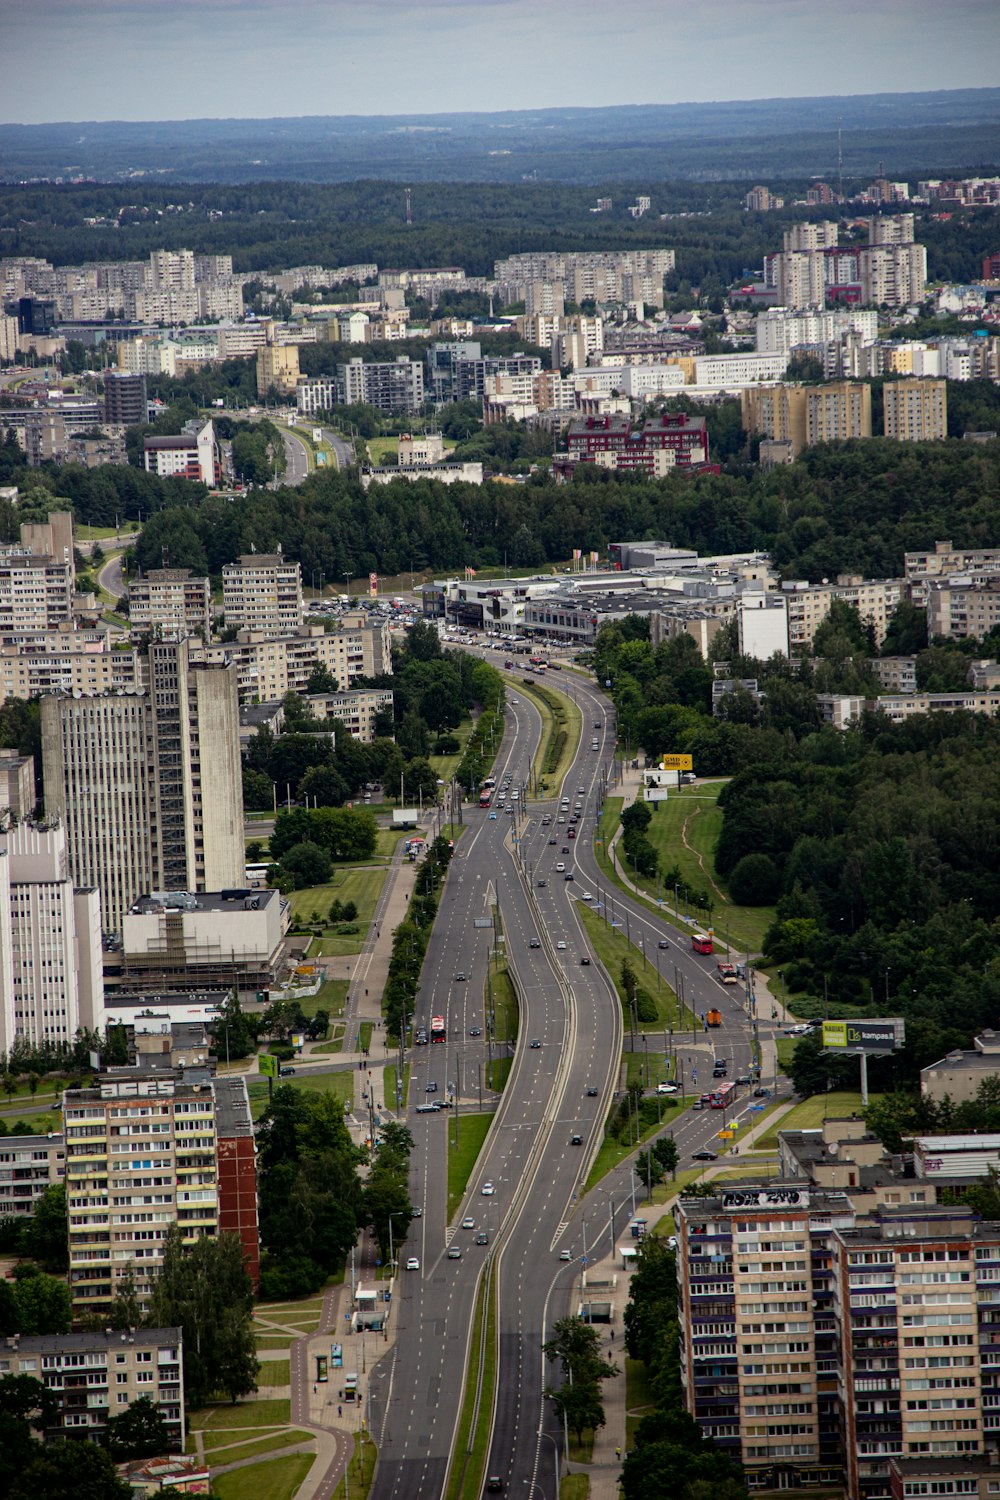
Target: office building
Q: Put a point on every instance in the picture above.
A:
(124, 398)
(191, 454)
(51, 981)
(179, 940)
(29, 1166)
(149, 786)
(916, 411)
(97, 1375)
(263, 592)
(169, 601)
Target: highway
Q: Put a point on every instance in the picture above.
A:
(535, 1212)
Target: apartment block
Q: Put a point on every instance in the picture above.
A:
(51, 981)
(65, 661)
(277, 368)
(190, 455)
(169, 601)
(149, 786)
(946, 558)
(124, 398)
(357, 709)
(36, 593)
(97, 1375)
(809, 604)
(263, 592)
(29, 1164)
(762, 622)
(396, 385)
(916, 411)
(268, 667)
(804, 415)
(17, 784)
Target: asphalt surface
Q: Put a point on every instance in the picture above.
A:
(535, 1211)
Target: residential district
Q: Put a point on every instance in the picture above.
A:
(836, 1304)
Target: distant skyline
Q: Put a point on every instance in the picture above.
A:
(188, 59)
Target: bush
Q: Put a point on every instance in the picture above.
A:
(447, 745)
(645, 1007)
(283, 1051)
(307, 863)
(755, 881)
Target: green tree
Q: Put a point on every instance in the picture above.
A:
(204, 1289)
(126, 1309)
(42, 1303)
(307, 863)
(140, 1431)
(580, 1405)
(70, 1471)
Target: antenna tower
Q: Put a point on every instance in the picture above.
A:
(408, 192)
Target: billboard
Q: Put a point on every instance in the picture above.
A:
(268, 1065)
(883, 1034)
(676, 762)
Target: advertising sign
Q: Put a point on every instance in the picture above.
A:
(884, 1034)
(676, 762)
(767, 1198)
(268, 1065)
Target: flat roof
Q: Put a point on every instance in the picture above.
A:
(232, 1107)
(232, 900)
(95, 1342)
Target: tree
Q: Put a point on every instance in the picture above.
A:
(580, 1405)
(70, 1471)
(140, 1431)
(28, 1400)
(46, 1236)
(755, 881)
(649, 1169)
(42, 1302)
(308, 863)
(205, 1290)
(126, 1309)
(630, 979)
(321, 680)
(666, 1153)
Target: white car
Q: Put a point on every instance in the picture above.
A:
(468, 1223)
(586, 896)
(487, 1190)
(561, 945)
(666, 1088)
(413, 1264)
(560, 867)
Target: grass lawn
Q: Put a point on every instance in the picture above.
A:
(810, 1114)
(387, 840)
(43, 1124)
(612, 1152)
(362, 886)
(574, 1487)
(559, 713)
(331, 997)
(271, 1341)
(360, 1471)
(45, 1093)
(341, 1084)
(273, 1371)
(389, 1084)
(445, 766)
(472, 1131)
(470, 1446)
(638, 1397)
(506, 1011)
(611, 946)
(278, 1479)
(271, 1413)
(231, 1453)
(684, 831)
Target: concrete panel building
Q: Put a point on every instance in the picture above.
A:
(17, 784)
(169, 601)
(263, 592)
(804, 415)
(916, 411)
(267, 667)
(762, 620)
(29, 1164)
(174, 940)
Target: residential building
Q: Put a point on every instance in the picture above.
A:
(396, 385)
(875, 600)
(236, 1167)
(172, 270)
(192, 454)
(916, 411)
(50, 941)
(893, 274)
(267, 667)
(419, 452)
(277, 367)
(962, 607)
(902, 706)
(682, 439)
(761, 200)
(97, 1375)
(168, 601)
(17, 784)
(263, 592)
(315, 394)
(804, 415)
(34, 663)
(179, 940)
(965, 1474)
(36, 593)
(358, 709)
(149, 785)
(946, 558)
(29, 1166)
(124, 398)
(958, 1076)
(762, 622)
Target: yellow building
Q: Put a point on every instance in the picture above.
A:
(277, 367)
(916, 411)
(804, 415)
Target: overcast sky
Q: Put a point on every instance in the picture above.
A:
(183, 59)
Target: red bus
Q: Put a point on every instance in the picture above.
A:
(485, 797)
(723, 1096)
(437, 1029)
(701, 942)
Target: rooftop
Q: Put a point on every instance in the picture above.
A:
(77, 1343)
(232, 1107)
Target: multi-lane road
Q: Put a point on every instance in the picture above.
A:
(560, 1089)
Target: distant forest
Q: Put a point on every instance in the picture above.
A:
(785, 138)
(268, 226)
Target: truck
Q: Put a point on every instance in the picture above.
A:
(714, 1018)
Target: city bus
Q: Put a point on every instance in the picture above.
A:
(485, 797)
(437, 1029)
(701, 942)
(723, 1097)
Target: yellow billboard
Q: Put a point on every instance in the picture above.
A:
(268, 1065)
(675, 763)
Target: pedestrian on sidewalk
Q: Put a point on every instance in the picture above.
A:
(618, 1453)
(340, 1411)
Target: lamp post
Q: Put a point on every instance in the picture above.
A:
(556, 1466)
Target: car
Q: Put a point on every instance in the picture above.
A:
(475, 1031)
(542, 881)
(460, 977)
(762, 1093)
(587, 896)
(560, 866)
(561, 818)
(468, 1222)
(487, 1190)
(285, 1072)
(431, 1088)
(482, 1238)
(494, 1484)
(663, 943)
(597, 723)
(576, 1140)
(534, 1044)
(561, 946)
(699, 1105)
(552, 841)
(703, 1156)
(744, 1079)
(534, 943)
(585, 960)
(569, 875)
(426, 1109)
(565, 1255)
(418, 1212)
(454, 1253)
(591, 1092)
(666, 1088)
(571, 833)
(574, 818)
(581, 791)
(493, 817)
(413, 1263)
(566, 849)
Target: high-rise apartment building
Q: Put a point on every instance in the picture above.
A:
(268, 667)
(916, 411)
(36, 593)
(171, 270)
(804, 415)
(263, 591)
(51, 979)
(188, 455)
(169, 601)
(396, 385)
(143, 1150)
(149, 786)
(277, 367)
(124, 398)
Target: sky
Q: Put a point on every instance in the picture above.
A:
(188, 59)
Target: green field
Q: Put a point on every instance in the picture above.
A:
(389, 1077)
(810, 1114)
(277, 1479)
(559, 712)
(272, 1413)
(230, 1453)
(360, 1471)
(340, 1084)
(362, 886)
(274, 1371)
(574, 1487)
(445, 766)
(472, 1131)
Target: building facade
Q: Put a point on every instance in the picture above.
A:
(916, 411)
(169, 601)
(263, 592)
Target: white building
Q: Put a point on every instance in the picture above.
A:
(762, 620)
(51, 979)
(189, 455)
